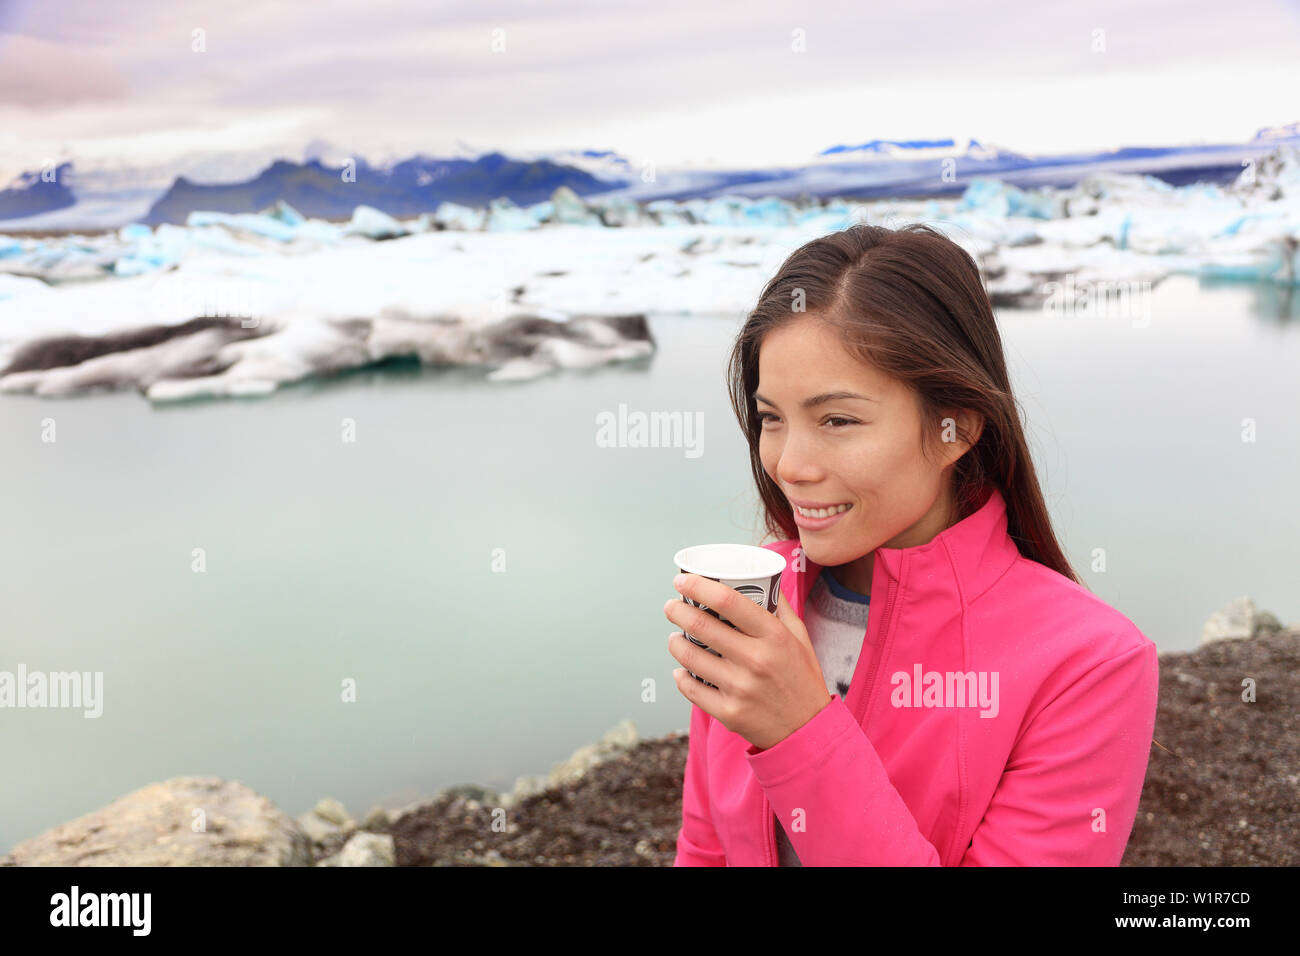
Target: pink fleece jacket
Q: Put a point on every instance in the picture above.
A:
(915, 767)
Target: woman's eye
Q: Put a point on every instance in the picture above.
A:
(764, 417)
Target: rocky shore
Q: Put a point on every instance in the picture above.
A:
(1222, 789)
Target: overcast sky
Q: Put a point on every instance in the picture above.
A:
(673, 81)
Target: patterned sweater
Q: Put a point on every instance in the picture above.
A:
(836, 619)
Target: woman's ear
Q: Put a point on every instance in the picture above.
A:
(960, 431)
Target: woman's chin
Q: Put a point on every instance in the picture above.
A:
(827, 555)
(814, 551)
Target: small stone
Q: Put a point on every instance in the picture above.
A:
(364, 849)
(1233, 621)
(471, 791)
(330, 810)
(526, 786)
(418, 806)
(617, 740)
(376, 817)
(1266, 622)
(318, 830)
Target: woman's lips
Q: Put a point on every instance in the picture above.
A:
(817, 524)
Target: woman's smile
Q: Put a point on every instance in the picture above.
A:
(819, 519)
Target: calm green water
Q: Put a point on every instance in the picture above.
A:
(372, 561)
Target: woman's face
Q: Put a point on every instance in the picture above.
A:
(863, 452)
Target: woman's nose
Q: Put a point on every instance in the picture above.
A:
(797, 462)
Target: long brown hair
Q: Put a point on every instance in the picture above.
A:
(911, 302)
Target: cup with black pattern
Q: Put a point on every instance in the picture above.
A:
(754, 572)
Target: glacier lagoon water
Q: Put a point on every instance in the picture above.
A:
(489, 578)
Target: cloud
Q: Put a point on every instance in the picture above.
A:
(669, 79)
(37, 73)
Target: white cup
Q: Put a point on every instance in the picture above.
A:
(754, 572)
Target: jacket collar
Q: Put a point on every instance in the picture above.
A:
(976, 551)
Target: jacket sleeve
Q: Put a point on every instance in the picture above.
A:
(1085, 750)
(697, 841)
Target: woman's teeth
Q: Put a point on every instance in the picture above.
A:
(822, 512)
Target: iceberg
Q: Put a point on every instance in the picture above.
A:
(318, 231)
(286, 214)
(526, 292)
(621, 212)
(566, 206)
(668, 213)
(995, 198)
(373, 224)
(177, 356)
(504, 216)
(768, 211)
(453, 216)
(258, 224)
(1276, 261)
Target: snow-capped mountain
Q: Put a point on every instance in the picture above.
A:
(107, 195)
(1275, 133)
(894, 150)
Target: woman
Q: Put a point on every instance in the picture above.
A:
(937, 688)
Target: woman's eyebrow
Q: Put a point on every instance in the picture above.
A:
(821, 399)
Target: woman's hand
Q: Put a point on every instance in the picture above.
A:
(769, 681)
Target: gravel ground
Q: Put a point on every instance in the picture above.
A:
(1225, 789)
(1222, 786)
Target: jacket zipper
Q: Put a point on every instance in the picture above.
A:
(770, 827)
(877, 652)
(769, 818)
